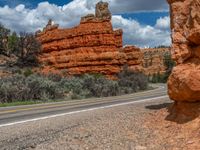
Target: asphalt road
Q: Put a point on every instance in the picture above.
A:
(21, 114)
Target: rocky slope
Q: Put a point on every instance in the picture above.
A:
(91, 47)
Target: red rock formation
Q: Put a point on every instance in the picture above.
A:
(91, 47)
(184, 83)
(134, 57)
(153, 60)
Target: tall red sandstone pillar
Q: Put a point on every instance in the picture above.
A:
(184, 82)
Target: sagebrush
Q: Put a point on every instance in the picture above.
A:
(35, 87)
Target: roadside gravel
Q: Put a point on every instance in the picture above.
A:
(119, 128)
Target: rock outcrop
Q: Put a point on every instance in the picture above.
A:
(102, 11)
(91, 47)
(184, 82)
(134, 57)
(153, 60)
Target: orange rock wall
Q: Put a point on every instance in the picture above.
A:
(91, 47)
(134, 57)
(184, 82)
(94, 47)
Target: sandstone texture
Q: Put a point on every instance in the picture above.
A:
(184, 82)
(134, 57)
(91, 47)
(153, 60)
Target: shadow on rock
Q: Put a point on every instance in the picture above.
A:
(183, 112)
(179, 112)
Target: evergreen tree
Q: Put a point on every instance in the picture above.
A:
(4, 34)
(13, 43)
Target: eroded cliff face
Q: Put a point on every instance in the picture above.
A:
(153, 60)
(134, 57)
(91, 47)
(184, 82)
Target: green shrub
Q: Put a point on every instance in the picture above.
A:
(42, 88)
(99, 86)
(28, 72)
(54, 77)
(12, 88)
(131, 81)
(35, 87)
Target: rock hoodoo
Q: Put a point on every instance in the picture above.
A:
(91, 47)
(184, 82)
(102, 11)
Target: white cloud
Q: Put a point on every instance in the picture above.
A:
(141, 35)
(163, 23)
(20, 8)
(24, 19)
(21, 18)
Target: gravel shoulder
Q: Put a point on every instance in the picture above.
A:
(130, 127)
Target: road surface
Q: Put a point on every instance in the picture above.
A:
(28, 113)
(102, 123)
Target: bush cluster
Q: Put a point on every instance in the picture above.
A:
(35, 87)
(130, 81)
(23, 45)
(90, 86)
(158, 78)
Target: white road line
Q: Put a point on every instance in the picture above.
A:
(89, 99)
(80, 111)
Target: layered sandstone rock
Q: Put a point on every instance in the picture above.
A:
(134, 57)
(184, 83)
(153, 60)
(91, 47)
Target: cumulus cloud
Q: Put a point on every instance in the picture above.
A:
(21, 18)
(128, 6)
(141, 35)
(25, 19)
(163, 23)
(20, 8)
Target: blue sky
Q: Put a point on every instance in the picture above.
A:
(149, 18)
(145, 22)
(31, 3)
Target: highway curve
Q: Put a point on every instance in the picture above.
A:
(100, 123)
(21, 114)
